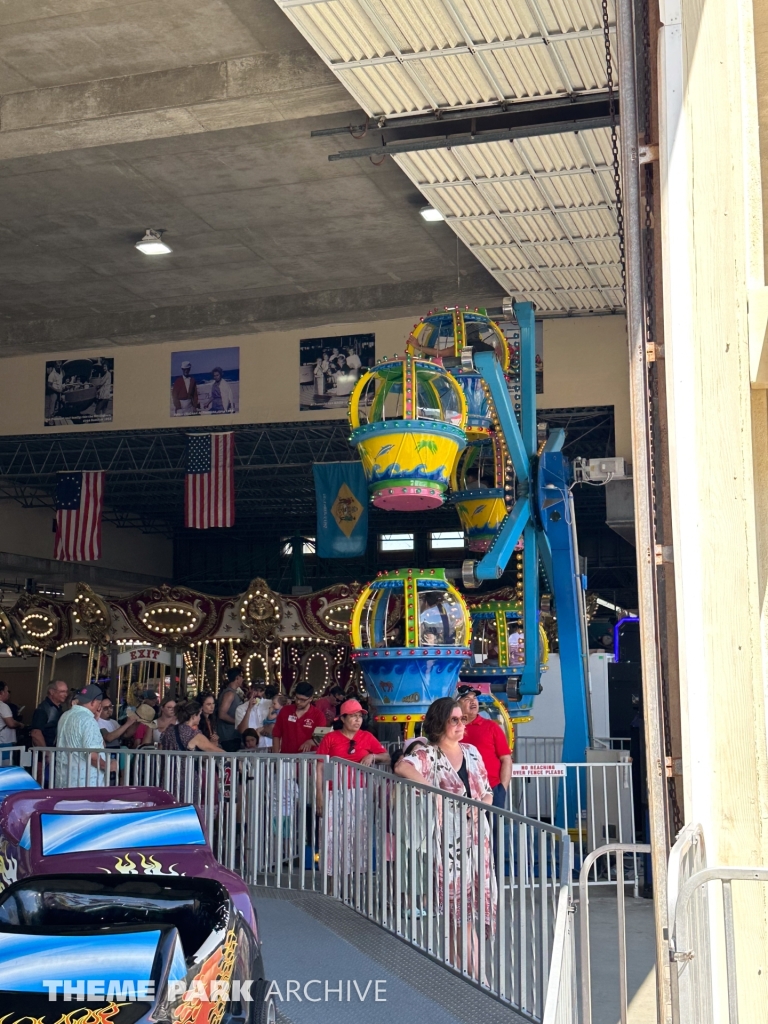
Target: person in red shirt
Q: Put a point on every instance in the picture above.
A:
(490, 741)
(329, 704)
(351, 743)
(294, 728)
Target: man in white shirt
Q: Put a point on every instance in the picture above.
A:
(353, 361)
(111, 729)
(54, 385)
(251, 714)
(9, 725)
(78, 732)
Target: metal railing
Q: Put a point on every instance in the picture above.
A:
(618, 850)
(561, 1006)
(475, 887)
(692, 938)
(597, 798)
(249, 802)
(548, 749)
(14, 757)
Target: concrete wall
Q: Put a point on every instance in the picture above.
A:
(585, 363)
(28, 531)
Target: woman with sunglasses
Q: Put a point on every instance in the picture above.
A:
(351, 743)
(447, 763)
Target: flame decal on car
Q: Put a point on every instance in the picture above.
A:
(218, 967)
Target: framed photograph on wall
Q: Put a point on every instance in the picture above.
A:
(330, 367)
(205, 382)
(79, 391)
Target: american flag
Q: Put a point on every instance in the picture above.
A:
(79, 503)
(209, 494)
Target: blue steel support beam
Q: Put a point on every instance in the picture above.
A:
(489, 368)
(495, 560)
(555, 441)
(545, 554)
(526, 318)
(554, 503)
(529, 682)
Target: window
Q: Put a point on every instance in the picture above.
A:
(446, 539)
(396, 542)
(286, 549)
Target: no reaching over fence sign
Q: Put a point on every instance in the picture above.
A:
(538, 771)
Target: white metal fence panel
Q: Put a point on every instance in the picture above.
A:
(595, 800)
(561, 1006)
(473, 886)
(619, 850)
(547, 749)
(692, 942)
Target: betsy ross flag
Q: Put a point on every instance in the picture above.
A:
(209, 486)
(79, 502)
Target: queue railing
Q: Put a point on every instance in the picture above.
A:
(594, 800)
(475, 887)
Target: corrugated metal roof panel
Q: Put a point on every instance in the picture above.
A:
(410, 56)
(538, 213)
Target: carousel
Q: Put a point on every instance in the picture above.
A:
(134, 643)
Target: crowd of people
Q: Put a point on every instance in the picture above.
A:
(460, 751)
(257, 717)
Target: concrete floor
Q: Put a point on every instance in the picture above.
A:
(641, 955)
(309, 936)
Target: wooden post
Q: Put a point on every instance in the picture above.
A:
(714, 291)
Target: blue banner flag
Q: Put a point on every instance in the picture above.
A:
(342, 509)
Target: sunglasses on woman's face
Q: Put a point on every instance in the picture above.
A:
(457, 721)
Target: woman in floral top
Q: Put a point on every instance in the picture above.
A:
(448, 764)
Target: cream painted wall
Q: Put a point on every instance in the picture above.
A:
(27, 531)
(585, 363)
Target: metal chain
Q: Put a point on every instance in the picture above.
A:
(653, 366)
(615, 148)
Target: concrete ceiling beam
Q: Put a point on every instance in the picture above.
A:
(247, 316)
(255, 89)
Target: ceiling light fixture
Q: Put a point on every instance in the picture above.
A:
(431, 214)
(152, 244)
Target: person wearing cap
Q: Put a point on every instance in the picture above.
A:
(489, 739)
(184, 392)
(294, 728)
(79, 732)
(351, 742)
